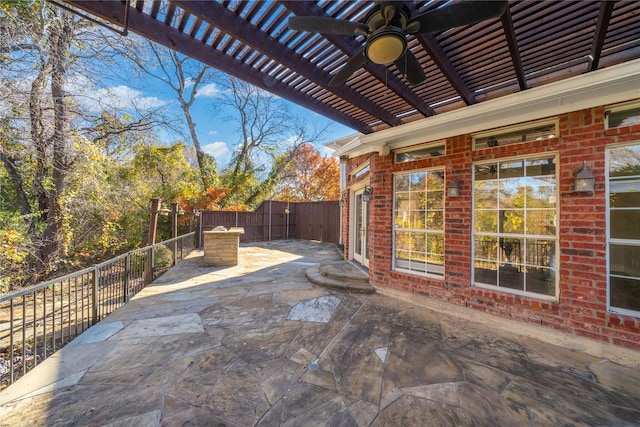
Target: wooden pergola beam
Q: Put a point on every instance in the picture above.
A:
(604, 15)
(229, 22)
(157, 31)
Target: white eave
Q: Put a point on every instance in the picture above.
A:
(603, 87)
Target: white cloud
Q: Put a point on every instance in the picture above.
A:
(212, 133)
(210, 90)
(217, 149)
(119, 97)
(129, 98)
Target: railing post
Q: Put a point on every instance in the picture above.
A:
(127, 276)
(94, 295)
(148, 274)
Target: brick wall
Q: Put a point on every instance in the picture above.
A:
(581, 306)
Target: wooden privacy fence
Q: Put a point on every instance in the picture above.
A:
(274, 220)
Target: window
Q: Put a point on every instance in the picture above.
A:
(419, 222)
(515, 135)
(515, 233)
(361, 172)
(623, 231)
(424, 152)
(627, 115)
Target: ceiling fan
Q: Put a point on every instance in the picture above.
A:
(386, 27)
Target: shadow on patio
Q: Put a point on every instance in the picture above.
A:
(257, 344)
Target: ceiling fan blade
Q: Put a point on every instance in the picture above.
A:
(410, 67)
(352, 65)
(455, 15)
(326, 25)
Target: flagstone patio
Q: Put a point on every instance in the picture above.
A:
(258, 344)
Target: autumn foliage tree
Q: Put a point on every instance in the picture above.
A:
(310, 177)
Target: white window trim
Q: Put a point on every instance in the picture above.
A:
(610, 240)
(357, 170)
(555, 297)
(394, 267)
(442, 142)
(515, 128)
(616, 109)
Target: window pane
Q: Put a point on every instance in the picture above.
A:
(485, 172)
(418, 181)
(541, 167)
(512, 193)
(420, 243)
(435, 248)
(512, 222)
(486, 248)
(541, 222)
(541, 196)
(511, 250)
(625, 260)
(625, 224)
(402, 182)
(486, 272)
(434, 199)
(511, 276)
(619, 198)
(541, 253)
(513, 169)
(485, 221)
(403, 241)
(625, 293)
(435, 220)
(541, 280)
(485, 194)
(624, 161)
(435, 181)
(628, 117)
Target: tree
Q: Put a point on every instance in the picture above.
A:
(270, 137)
(310, 177)
(185, 77)
(44, 114)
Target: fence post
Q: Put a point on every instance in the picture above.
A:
(148, 274)
(94, 295)
(269, 219)
(127, 276)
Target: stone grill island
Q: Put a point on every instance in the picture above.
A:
(221, 246)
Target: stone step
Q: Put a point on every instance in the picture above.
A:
(315, 276)
(344, 270)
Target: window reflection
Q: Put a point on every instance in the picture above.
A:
(419, 222)
(624, 228)
(515, 224)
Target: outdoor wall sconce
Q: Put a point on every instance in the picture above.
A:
(287, 211)
(453, 190)
(585, 180)
(366, 196)
(342, 197)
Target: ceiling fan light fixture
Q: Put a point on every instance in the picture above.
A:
(386, 45)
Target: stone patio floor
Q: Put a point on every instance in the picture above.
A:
(257, 344)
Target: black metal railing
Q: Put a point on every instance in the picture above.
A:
(37, 321)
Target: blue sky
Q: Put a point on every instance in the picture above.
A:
(217, 134)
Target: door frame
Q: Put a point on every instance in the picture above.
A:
(353, 193)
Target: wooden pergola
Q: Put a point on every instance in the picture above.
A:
(532, 44)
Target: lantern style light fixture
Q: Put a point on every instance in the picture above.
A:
(366, 196)
(584, 182)
(164, 211)
(453, 190)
